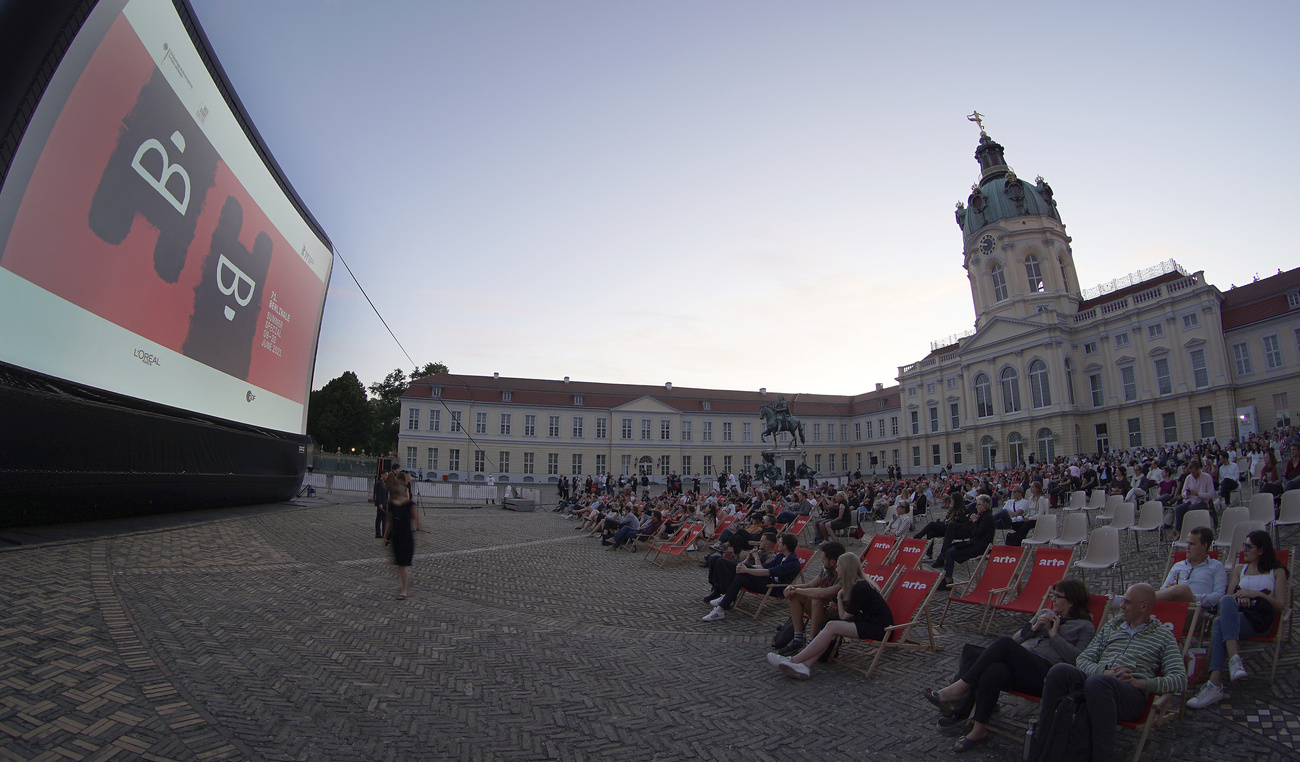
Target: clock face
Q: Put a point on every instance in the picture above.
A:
(986, 244)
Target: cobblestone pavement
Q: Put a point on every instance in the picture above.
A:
(275, 634)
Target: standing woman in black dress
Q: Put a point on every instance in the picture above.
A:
(403, 522)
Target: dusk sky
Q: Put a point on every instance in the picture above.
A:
(737, 195)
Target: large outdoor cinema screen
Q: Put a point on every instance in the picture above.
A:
(146, 246)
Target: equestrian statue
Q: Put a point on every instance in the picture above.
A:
(777, 418)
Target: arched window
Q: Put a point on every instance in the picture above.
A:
(1015, 448)
(983, 396)
(999, 282)
(1010, 391)
(1035, 274)
(1046, 445)
(1038, 385)
(1069, 380)
(988, 452)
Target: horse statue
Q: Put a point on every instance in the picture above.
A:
(774, 423)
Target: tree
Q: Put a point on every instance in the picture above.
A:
(386, 405)
(339, 416)
(429, 369)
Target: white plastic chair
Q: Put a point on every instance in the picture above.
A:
(1150, 519)
(1124, 516)
(1077, 502)
(1075, 531)
(1096, 501)
(1043, 532)
(1288, 514)
(1261, 507)
(1108, 512)
(1231, 518)
(1192, 520)
(1103, 553)
(1243, 478)
(1239, 533)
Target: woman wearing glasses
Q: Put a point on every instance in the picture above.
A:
(1055, 635)
(1258, 595)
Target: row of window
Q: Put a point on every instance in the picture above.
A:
(1272, 354)
(1033, 273)
(629, 464)
(1168, 429)
(505, 426)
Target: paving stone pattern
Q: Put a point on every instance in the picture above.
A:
(275, 635)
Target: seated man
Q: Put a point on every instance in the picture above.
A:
(1198, 494)
(815, 599)
(780, 569)
(1198, 577)
(1229, 476)
(900, 523)
(1132, 655)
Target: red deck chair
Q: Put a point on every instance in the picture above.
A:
(882, 575)
(1176, 555)
(675, 546)
(881, 550)
(909, 602)
(1099, 607)
(1280, 632)
(797, 526)
(1160, 708)
(1049, 567)
(805, 555)
(721, 525)
(910, 552)
(999, 570)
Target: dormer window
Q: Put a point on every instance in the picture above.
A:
(577, 399)
(505, 396)
(435, 391)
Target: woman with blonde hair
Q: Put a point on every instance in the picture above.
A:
(863, 614)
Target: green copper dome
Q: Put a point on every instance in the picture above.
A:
(1001, 195)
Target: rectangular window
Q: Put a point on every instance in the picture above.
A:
(1155, 330)
(1122, 340)
(859, 461)
(830, 432)
(896, 457)
(817, 432)
(1206, 414)
(626, 425)
(817, 462)
(1128, 377)
(577, 427)
(726, 463)
(746, 432)
(505, 425)
(1241, 356)
(954, 420)
(1272, 355)
(911, 391)
(1164, 382)
(435, 391)
(1281, 410)
(480, 461)
(552, 463)
(411, 455)
(480, 423)
(602, 428)
(706, 431)
(528, 462)
(857, 432)
(687, 431)
(1190, 321)
(1090, 348)
(936, 454)
(708, 465)
(665, 465)
(881, 429)
(577, 399)
(1293, 300)
(626, 462)
(1098, 395)
(453, 460)
(749, 462)
(915, 416)
(577, 464)
(455, 422)
(1169, 423)
(934, 419)
(503, 462)
(726, 432)
(893, 425)
(1134, 432)
(916, 456)
(1103, 438)
(645, 429)
(844, 435)
(600, 463)
(1200, 374)
(929, 387)
(686, 465)
(413, 419)
(435, 420)
(530, 425)
(505, 396)
(956, 453)
(665, 428)
(433, 459)
(553, 426)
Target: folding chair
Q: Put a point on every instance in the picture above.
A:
(1103, 553)
(1001, 563)
(881, 550)
(910, 552)
(911, 594)
(805, 555)
(1044, 531)
(1049, 567)
(663, 551)
(1280, 632)
(797, 526)
(1159, 709)
(1150, 519)
(882, 575)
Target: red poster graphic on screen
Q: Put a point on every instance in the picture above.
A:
(132, 215)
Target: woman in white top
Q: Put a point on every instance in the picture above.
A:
(1259, 594)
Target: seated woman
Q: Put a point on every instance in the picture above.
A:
(900, 523)
(1258, 595)
(813, 599)
(1054, 636)
(836, 519)
(962, 542)
(863, 614)
(956, 503)
(1270, 478)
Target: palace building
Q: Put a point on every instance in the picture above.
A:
(1049, 370)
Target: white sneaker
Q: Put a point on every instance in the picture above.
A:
(1210, 694)
(776, 660)
(1236, 668)
(714, 615)
(795, 670)
(716, 602)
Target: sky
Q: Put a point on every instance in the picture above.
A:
(735, 195)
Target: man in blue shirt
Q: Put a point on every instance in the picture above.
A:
(781, 569)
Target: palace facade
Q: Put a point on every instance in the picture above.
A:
(1050, 369)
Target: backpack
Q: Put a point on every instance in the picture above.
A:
(1068, 736)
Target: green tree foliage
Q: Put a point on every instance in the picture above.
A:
(429, 369)
(339, 416)
(386, 404)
